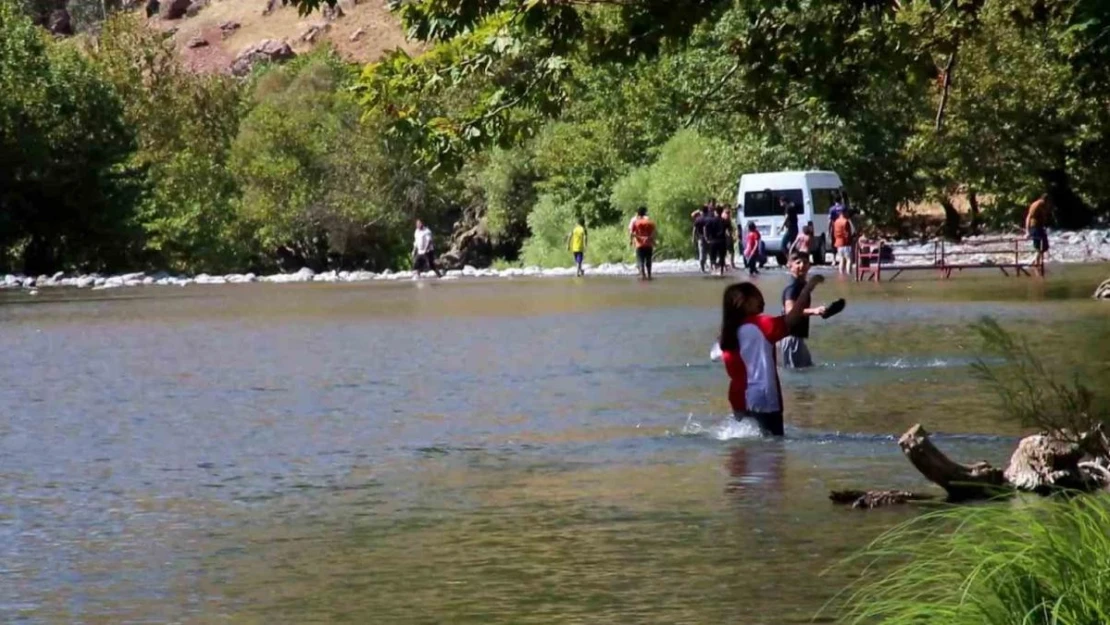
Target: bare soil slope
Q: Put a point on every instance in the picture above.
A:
(364, 33)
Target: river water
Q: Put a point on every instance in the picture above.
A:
(525, 451)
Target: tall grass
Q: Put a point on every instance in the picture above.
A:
(1023, 561)
(1033, 393)
(1030, 562)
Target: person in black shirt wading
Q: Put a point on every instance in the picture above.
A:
(795, 354)
(789, 224)
(700, 216)
(716, 231)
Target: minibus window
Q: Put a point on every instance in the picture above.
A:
(823, 199)
(766, 203)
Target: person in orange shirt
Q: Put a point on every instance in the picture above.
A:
(642, 236)
(842, 240)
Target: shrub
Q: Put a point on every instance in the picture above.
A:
(1040, 561)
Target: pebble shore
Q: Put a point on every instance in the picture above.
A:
(1087, 246)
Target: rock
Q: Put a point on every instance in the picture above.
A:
(1103, 290)
(265, 51)
(332, 11)
(229, 27)
(85, 282)
(58, 276)
(271, 6)
(314, 31)
(197, 42)
(194, 9)
(355, 36)
(152, 8)
(60, 23)
(131, 277)
(174, 9)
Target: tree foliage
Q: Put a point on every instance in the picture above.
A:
(184, 123)
(66, 192)
(520, 116)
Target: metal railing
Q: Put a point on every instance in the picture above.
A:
(873, 258)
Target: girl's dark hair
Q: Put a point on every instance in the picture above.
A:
(732, 313)
(751, 226)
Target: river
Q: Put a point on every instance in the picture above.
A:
(487, 451)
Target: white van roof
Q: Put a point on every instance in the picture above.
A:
(790, 180)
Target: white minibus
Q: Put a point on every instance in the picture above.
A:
(812, 192)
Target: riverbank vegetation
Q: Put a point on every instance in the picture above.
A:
(1024, 561)
(1021, 557)
(521, 116)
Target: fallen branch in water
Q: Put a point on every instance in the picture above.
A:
(1042, 463)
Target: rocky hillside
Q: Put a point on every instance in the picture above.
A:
(211, 34)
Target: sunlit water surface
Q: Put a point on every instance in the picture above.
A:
(533, 451)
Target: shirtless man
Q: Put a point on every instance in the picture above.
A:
(1036, 227)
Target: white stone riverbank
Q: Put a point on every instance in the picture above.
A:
(1086, 246)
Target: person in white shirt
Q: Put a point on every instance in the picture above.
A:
(422, 249)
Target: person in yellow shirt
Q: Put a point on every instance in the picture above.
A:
(576, 243)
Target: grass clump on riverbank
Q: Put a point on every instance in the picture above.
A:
(1030, 561)
(1020, 560)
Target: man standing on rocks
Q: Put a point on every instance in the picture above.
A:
(422, 250)
(1036, 227)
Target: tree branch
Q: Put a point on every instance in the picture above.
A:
(948, 67)
(714, 90)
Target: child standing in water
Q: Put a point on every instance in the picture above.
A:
(795, 353)
(751, 249)
(747, 344)
(804, 240)
(576, 243)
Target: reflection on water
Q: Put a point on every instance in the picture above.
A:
(543, 451)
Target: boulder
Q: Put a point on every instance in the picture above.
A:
(265, 51)
(60, 23)
(197, 42)
(229, 27)
(174, 9)
(271, 6)
(332, 11)
(194, 8)
(153, 7)
(314, 31)
(1103, 290)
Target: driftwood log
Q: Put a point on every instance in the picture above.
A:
(1042, 463)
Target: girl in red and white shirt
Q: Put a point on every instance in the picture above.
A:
(747, 344)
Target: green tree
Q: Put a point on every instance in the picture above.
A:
(318, 185)
(66, 193)
(185, 124)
